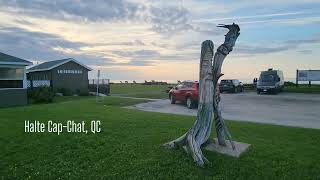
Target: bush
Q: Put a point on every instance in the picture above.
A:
(103, 88)
(41, 94)
(83, 93)
(64, 91)
(288, 83)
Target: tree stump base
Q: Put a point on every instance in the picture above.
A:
(240, 148)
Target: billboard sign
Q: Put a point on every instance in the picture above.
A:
(308, 75)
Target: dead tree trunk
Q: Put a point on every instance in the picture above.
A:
(209, 75)
(221, 54)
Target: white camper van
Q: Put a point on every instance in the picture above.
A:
(271, 81)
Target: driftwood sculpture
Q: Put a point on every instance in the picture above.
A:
(209, 98)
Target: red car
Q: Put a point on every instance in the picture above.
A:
(186, 92)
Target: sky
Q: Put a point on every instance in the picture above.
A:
(160, 40)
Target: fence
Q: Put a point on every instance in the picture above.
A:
(38, 83)
(104, 86)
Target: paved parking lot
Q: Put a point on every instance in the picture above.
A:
(291, 109)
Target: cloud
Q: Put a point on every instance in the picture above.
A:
(164, 20)
(141, 54)
(140, 63)
(170, 19)
(208, 28)
(130, 34)
(284, 21)
(251, 17)
(116, 73)
(314, 40)
(305, 51)
(33, 45)
(249, 50)
(81, 9)
(123, 43)
(42, 46)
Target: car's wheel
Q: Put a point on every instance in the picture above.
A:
(172, 99)
(189, 102)
(258, 91)
(272, 91)
(238, 89)
(242, 89)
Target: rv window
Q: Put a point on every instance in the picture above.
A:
(267, 78)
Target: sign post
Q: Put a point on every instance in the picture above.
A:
(97, 93)
(297, 79)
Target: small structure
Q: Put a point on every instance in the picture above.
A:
(67, 74)
(13, 82)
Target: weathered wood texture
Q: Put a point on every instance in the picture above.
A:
(222, 52)
(208, 108)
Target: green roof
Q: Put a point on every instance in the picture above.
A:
(11, 60)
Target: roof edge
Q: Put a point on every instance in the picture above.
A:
(17, 63)
(66, 61)
(71, 59)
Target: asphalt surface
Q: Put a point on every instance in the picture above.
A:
(289, 109)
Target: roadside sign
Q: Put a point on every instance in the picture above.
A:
(308, 75)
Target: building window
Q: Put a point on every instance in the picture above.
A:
(11, 73)
(11, 77)
(11, 83)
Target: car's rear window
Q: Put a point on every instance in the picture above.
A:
(188, 84)
(226, 81)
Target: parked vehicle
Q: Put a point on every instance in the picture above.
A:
(271, 81)
(231, 85)
(187, 92)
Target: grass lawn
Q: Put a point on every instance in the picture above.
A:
(129, 146)
(303, 88)
(139, 90)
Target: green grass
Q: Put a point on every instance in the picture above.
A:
(139, 90)
(129, 146)
(303, 88)
(108, 101)
(159, 91)
(58, 99)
